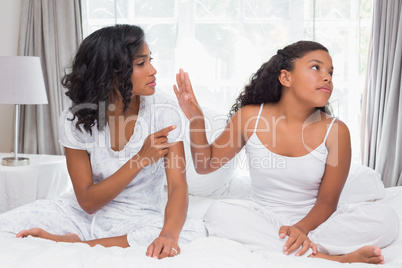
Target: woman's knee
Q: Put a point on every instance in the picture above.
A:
(384, 215)
(383, 222)
(389, 222)
(216, 212)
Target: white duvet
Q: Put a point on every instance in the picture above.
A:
(205, 252)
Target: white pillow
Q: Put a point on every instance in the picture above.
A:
(363, 184)
(216, 183)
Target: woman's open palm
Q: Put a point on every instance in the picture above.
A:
(185, 96)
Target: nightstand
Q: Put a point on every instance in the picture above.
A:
(46, 177)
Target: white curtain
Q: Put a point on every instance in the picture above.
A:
(382, 107)
(51, 30)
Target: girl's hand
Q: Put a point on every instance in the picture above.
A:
(163, 247)
(296, 239)
(185, 96)
(155, 147)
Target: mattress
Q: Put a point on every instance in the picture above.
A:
(203, 252)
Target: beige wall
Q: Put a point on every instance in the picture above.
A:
(9, 26)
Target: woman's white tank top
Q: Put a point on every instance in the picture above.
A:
(285, 184)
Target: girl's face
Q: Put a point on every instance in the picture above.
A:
(143, 77)
(311, 78)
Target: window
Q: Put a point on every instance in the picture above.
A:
(222, 43)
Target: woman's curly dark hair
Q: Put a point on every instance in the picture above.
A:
(101, 68)
(264, 85)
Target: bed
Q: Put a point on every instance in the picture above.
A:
(204, 252)
(231, 181)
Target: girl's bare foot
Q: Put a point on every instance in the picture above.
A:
(38, 232)
(366, 254)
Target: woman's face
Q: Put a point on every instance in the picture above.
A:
(311, 78)
(143, 77)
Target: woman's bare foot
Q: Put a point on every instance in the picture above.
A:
(38, 232)
(366, 254)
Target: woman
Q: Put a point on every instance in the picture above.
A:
(116, 165)
(282, 115)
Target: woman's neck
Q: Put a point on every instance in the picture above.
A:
(121, 123)
(293, 109)
(116, 108)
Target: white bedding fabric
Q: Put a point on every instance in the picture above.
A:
(205, 252)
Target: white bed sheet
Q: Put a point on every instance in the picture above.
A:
(205, 252)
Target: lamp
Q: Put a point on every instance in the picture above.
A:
(21, 82)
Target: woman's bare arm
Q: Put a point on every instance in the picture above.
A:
(176, 206)
(208, 157)
(91, 196)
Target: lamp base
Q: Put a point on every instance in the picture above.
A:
(11, 161)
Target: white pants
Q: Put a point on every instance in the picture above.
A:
(349, 228)
(59, 217)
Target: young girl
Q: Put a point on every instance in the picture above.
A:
(282, 115)
(116, 165)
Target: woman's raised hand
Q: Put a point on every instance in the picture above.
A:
(185, 96)
(154, 148)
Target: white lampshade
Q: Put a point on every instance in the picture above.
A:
(21, 80)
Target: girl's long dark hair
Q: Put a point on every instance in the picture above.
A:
(101, 68)
(264, 85)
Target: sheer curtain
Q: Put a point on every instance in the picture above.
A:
(382, 112)
(222, 43)
(51, 30)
